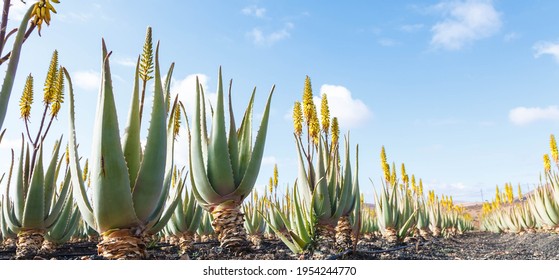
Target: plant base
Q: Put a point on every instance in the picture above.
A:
(228, 224)
(185, 242)
(29, 243)
(343, 233)
(122, 244)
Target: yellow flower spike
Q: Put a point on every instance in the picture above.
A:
(51, 79)
(393, 175)
(85, 170)
(553, 146)
(146, 60)
(519, 192)
(298, 118)
(26, 99)
(271, 185)
(546, 163)
(67, 155)
(325, 114)
(335, 131)
(384, 164)
(57, 93)
(177, 121)
(314, 128)
(420, 188)
(276, 176)
(309, 109)
(405, 177)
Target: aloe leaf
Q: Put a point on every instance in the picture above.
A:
(11, 70)
(302, 177)
(202, 188)
(109, 174)
(7, 209)
(178, 216)
(322, 205)
(196, 218)
(244, 138)
(167, 86)
(131, 144)
(55, 212)
(33, 211)
(346, 187)
(251, 174)
(79, 191)
(50, 182)
(220, 173)
(164, 219)
(148, 187)
(19, 191)
(233, 142)
(58, 230)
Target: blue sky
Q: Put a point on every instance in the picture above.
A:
(464, 92)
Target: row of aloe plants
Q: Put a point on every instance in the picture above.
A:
(126, 195)
(537, 211)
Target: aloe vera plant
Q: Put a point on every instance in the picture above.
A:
(255, 225)
(34, 209)
(224, 168)
(129, 185)
(186, 219)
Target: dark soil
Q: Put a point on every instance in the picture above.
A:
(470, 246)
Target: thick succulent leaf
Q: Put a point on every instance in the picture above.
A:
(322, 206)
(79, 190)
(34, 209)
(178, 217)
(55, 212)
(346, 195)
(131, 145)
(244, 138)
(58, 229)
(109, 174)
(167, 214)
(233, 142)
(220, 172)
(251, 174)
(302, 178)
(149, 185)
(203, 190)
(11, 70)
(167, 86)
(196, 219)
(10, 219)
(50, 181)
(169, 165)
(293, 246)
(19, 191)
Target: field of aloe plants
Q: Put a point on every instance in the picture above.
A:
(128, 199)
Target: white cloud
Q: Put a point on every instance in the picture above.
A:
(261, 38)
(254, 11)
(549, 48)
(464, 22)
(524, 116)
(87, 80)
(349, 111)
